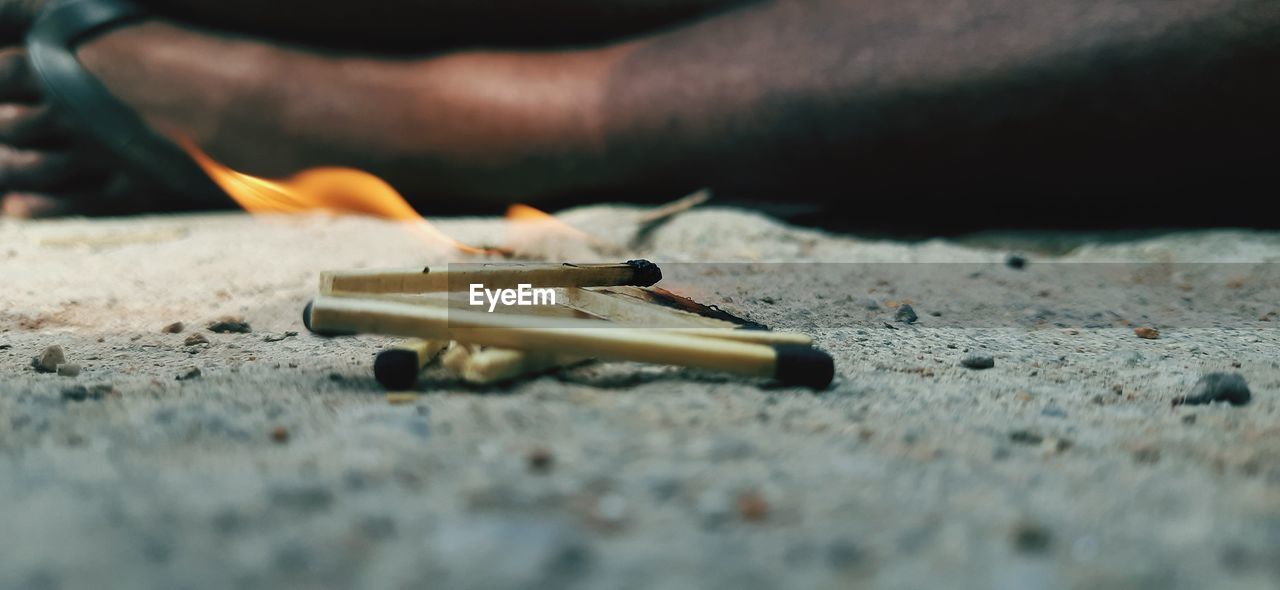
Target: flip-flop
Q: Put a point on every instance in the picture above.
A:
(51, 43)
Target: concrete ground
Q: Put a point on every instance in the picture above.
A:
(281, 464)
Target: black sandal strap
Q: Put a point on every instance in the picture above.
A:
(51, 48)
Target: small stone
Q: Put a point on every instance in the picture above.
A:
(195, 340)
(1030, 537)
(277, 338)
(978, 361)
(49, 360)
(540, 460)
(1015, 261)
(174, 328)
(280, 434)
(1217, 387)
(76, 393)
(192, 373)
(1026, 437)
(752, 506)
(1053, 411)
(68, 370)
(1057, 445)
(1147, 333)
(1146, 455)
(306, 497)
(843, 554)
(230, 324)
(906, 314)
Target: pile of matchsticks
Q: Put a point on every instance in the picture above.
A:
(608, 312)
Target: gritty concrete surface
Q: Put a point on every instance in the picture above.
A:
(281, 465)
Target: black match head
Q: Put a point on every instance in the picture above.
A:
(799, 364)
(306, 316)
(646, 273)
(396, 369)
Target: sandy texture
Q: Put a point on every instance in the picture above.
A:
(281, 464)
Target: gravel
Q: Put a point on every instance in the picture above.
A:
(910, 472)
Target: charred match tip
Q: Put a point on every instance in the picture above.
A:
(646, 273)
(798, 364)
(396, 368)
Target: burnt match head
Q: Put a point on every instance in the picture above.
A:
(396, 369)
(646, 273)
(798, 364)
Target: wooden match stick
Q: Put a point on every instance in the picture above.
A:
(398, 367)
(493, 365)
(497, 276)
(631, 311)
(788, 363)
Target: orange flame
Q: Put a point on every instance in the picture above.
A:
(340, 190)
(530, 217)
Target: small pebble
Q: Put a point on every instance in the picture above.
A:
(1015, 261)
(1146, 455)
(1030, 537)
(192, 373)
(906, 315)
(174, 328)
(77, 393)
(1026, 437)
(49, 360)
(540, 460)
(1053, 412)
(978, 361)
(68, 370)
(752, 507)
(843, 554)
(280, 434)
(230, 324)
(1147, 333)
(1217, 387)
(195, 340)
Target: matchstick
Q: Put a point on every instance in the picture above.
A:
(628, 310)
(788, 363)
(494, 365)
(498, 276)
(398, 367)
